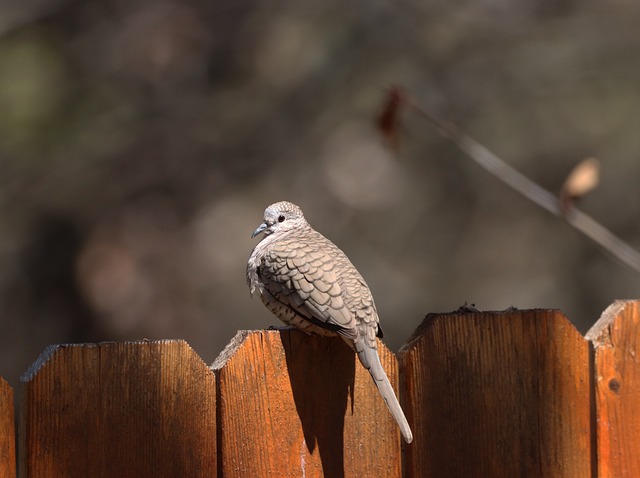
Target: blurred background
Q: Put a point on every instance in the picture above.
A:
(140, 142)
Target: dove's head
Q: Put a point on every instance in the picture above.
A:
(279, 217)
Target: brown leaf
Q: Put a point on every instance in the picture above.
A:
(582, 179)
(388, 121)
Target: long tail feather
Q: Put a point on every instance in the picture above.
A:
(371, 361)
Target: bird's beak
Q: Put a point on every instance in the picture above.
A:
(260, 229)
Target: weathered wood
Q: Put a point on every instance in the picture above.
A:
(293, 405)
(615, 338)
(129, 409)
(501, 394)
(7, 432)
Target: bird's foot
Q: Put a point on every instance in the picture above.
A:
(282, 327)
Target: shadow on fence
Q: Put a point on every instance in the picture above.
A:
(498, 394)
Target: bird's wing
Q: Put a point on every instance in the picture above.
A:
(303, 278)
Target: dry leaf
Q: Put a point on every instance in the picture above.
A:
(582, 179)
(388, 121)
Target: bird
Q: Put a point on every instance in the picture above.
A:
(306, 281)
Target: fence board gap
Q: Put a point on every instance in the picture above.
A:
(617, 389)
(7, 432)
(498, 394)
(126, 409)
(293, 405)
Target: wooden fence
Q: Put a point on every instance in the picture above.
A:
(488, 394)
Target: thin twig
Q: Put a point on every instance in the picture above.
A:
(531, 190)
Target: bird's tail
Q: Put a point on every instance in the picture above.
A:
(371, 361)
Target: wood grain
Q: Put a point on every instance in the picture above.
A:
(7, 432)
(128, 409)
(615, 339)
(498, 394)
(293, 405)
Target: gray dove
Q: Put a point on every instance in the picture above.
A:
(309, 283)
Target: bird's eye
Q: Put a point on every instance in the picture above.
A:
(281, 218)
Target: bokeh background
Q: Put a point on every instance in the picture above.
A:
(141, 140)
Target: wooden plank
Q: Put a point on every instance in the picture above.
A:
(293, 405)
(128, 409)
(615, 339)
(7, 432)
(498, 394)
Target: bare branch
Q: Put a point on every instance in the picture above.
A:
(531, 190)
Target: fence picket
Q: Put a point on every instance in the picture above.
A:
(7, 432)
(499, 394)
(615, 338)
(293, 405)
(127, 409)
